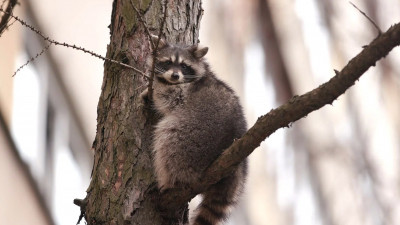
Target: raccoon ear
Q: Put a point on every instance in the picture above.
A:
(199, 52)
(161, 44)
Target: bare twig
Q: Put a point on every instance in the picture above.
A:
(150, 85)
(7, 14)
(370, 20)
(295, 109)
(48, 39)
(146, 28)
(32, 59)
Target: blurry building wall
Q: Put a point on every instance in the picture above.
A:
(19, 197)
(49, 109)
(10, 44)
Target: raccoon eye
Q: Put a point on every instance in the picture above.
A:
(165, 64)
(187, 70)
(184, 66)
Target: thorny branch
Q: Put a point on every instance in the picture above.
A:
(33, 58)
(150, 85)
(48, 39)
(295, 109)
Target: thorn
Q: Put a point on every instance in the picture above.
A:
(336, 72)
(293, 99)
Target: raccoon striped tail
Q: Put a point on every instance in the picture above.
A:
(220, 198)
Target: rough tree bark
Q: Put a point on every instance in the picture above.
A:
(123, 188)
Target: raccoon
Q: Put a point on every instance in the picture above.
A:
(200, 117)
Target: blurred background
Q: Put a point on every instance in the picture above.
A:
(340, 165)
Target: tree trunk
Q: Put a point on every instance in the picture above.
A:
(123, 189)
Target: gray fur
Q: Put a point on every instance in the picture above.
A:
(201, 117)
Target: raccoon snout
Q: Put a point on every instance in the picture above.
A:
(175, 76)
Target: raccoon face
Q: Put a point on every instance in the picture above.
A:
(176, 65)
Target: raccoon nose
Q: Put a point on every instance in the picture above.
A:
(175, 76)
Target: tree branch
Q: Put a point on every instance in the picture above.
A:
(32, 58)
(283, 116)
(368, 18)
